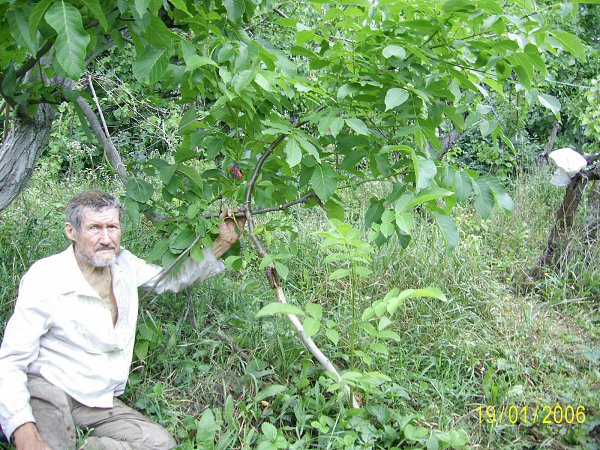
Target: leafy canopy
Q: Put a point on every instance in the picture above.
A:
(343, 93)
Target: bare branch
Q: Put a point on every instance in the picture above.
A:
(111, 152)
(273, 276)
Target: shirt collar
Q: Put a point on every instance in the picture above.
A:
(72, 279)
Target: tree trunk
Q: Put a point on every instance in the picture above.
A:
(563, 223)
(565, 216)
(23, 146)
(21, 149)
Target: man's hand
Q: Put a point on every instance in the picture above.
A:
(26, 437)
(229, 232)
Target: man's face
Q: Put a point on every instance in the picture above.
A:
(98, 241)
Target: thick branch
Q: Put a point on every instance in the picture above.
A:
(111, 152)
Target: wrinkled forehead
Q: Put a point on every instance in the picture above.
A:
(100, 216)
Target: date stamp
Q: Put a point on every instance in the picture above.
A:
(543, 414)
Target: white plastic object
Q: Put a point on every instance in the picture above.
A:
(569, 160)
(569, 163)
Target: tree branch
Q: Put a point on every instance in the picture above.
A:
(109, 149)
(273, 276)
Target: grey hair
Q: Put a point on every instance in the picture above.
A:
(95, 200)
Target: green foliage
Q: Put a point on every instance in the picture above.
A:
(352, 99)
(536, 347)
(342, 103)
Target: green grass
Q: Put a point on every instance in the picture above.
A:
(491, 343)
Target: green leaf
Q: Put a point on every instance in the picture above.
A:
(270, 391)
(97, 12)
(158, 34)
(324, 181)
(206, 431)
(139, 190)
(463, 186)
(405, 221)
(308, 147)
(282, 269)
(335, 210)
(523, 67)
(279, 308)
(181, 239)
(195, 61)
(425, 171)
(242, 79)
(454, 438)
(427, 195)
(339, 273)
(36, 16)
(150, 65)
(395, 302)
(20, 30)
(452, 6)
(379, 347)
(192, 174)
(235, 9)
(188, 122)
(180, 5)
(374, 212)
(71, 40)
(141, 350)
(413, 433)
(269, 430)
(484, 200)
(570, 43)
(500, 195)
(395, 97)
(394, 50)
(311, 326)
(314, 310)
(550, 102)
(358, 126)
(333, 335)
(293, 153)
(159, 249)
(448, 228)
(330, 125)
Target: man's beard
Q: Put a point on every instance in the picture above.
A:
(98, 262)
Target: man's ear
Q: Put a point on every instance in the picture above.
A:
(70, 231)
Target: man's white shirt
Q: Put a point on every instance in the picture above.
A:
(62, 330)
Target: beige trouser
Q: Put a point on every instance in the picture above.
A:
(117, 428)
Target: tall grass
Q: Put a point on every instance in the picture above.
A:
(490, 343)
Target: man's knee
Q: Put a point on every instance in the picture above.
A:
(51, 408)
(160, 439)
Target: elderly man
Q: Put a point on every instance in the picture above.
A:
(67, 348)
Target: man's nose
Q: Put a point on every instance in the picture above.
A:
(105, 236)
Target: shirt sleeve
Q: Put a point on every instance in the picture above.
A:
(20, 347)
(152, 277)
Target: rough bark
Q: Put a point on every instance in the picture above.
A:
(23, 146)
(448, 142)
